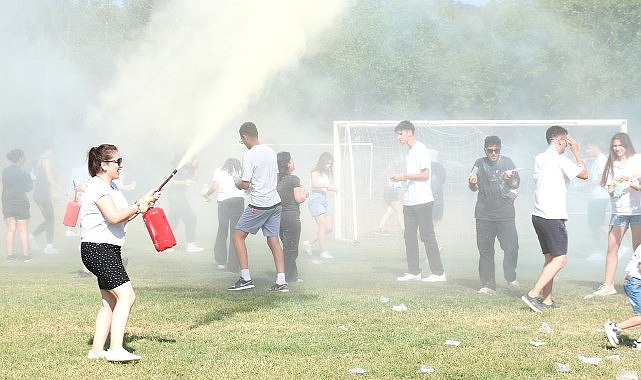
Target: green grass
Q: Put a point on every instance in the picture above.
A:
(187, 326)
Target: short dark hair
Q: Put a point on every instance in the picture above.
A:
(15, 155)
(404, 125)
(554, 132)
(248, 128)
(492, 141)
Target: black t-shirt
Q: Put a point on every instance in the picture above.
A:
(16, 182)
(491, 204)
(285, 189)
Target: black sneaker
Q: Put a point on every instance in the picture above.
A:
(553, 305)
(279, 288)
(242, 284)
(533, 303)
(11, 258)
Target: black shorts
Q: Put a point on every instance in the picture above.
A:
(552, 234)
(105, 262)
(18, 209)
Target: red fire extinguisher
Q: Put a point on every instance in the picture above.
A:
(72, 210)
(157, 224)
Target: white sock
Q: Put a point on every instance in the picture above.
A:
(280, 278)
(244, 273)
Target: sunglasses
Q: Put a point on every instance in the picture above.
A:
(490, 151)
(117, 160)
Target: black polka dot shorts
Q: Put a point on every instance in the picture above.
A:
(105, 262)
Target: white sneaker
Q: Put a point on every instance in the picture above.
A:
(611, 331)
(308, 247)
(100, 355)
(605, 290)
(192, 247)
(435, 278)
(409, 277)
(514, 286)
(70, 233)
(50, 250)
(488, 291)
(326, 255)
(121, 355)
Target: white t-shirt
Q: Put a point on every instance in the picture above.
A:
(226, 187)
(632, 269)
(261, 170)
(552, 174)
(418, 192)
(94, 228)
(627, 201)
(596, 171)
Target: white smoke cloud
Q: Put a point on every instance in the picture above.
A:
(202, 63)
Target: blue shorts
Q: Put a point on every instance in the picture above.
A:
(632, 289)
(317, 203)
(624, 220)
(552, 234)
(253, 219)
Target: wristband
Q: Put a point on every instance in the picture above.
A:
(138, 210)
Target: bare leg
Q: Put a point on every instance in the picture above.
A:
(125, 298)
(11, 231)
(277, 251)
(241, 248)
(543, 285)
(612, 256)
(22, 227)
(103, 321)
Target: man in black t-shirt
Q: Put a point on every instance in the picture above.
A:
(496, 179)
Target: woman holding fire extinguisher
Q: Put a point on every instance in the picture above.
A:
(104, 214)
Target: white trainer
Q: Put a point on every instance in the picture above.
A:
(409, 277)
(605, 290)
(120, 355)
(326, 255)
(488, 291)
(308, 247)
(100, 355)
(435, 278)
(192, 247)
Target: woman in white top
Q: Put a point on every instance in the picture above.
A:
(321, 183)
(231, 203)
(104, 214)
(621, 179)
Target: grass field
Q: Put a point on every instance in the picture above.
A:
(187, 326)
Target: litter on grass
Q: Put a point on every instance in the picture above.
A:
(593, 361)
(614, 358)
(357, 370)
(399, 308)
(343, 327)
(451, 342)
(625, 374)
(426, 369)
(561, 367)
(384, 299)
(545, 328)
(537, 344)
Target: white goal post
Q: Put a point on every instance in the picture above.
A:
(362, 149)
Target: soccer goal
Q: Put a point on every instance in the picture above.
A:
(364, 150)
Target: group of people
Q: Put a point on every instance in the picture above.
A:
(275, 195)
(17, 182)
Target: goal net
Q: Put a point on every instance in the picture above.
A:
(365, 150)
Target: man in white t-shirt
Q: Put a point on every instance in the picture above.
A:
(552, 174)
(260, 175)
(418, 202)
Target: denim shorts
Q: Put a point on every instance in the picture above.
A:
(632, 289)
(318, 204)
(624, 220)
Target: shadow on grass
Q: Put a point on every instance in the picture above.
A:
(228, 303)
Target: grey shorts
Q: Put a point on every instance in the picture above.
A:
(552, 234)
(253, 219)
